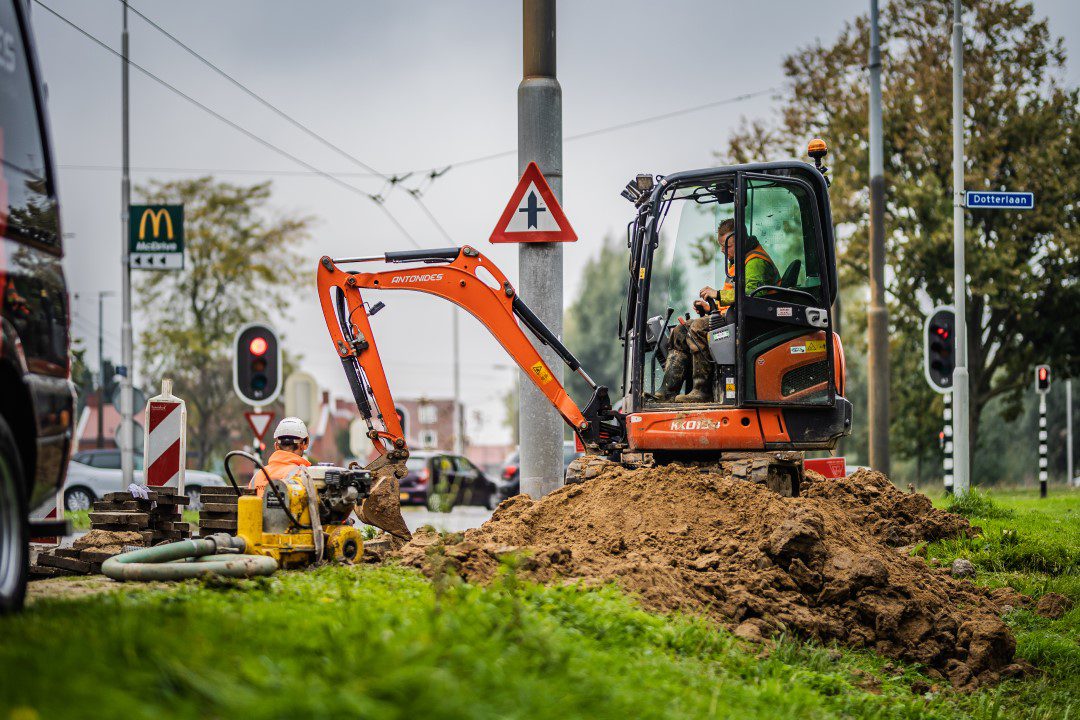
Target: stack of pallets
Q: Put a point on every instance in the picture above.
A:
(144, 523)
(218, 512)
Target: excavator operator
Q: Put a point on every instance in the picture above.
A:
(290, 442)
(689, 343)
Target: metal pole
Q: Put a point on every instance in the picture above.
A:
(127, 430)
(961, 416)
(540, 265)
(1068, 433)
(459, 424)
(878, 312)
(1043, 464)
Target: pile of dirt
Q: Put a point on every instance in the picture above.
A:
(113, 541)
(831, 565)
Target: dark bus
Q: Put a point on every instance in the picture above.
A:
(37, 399)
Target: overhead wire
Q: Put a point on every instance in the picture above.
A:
(393, 180)
(239, 128)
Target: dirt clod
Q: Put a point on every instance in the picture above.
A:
(1053, 605)
(824, 565)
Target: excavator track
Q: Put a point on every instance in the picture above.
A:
(781, 472)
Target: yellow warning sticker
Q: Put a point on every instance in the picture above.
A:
(641, 274)
(815, 346)
(541, 372)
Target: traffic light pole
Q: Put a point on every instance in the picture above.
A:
(127, 402)
(961, 417)
(540, 265)
(947, 462)
(1043, 464)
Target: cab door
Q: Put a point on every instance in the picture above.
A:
(786, 353)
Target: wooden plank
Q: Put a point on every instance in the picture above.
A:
(67, 552)
(219, 509)
(92, 555)
(41, 572)
(124, 506)
(72, 564)
(128, 519)
(217, 524)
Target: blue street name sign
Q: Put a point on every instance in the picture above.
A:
(999, 200)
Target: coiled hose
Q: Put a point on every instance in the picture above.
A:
(187, 559)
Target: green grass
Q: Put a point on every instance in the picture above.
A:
(384, 642)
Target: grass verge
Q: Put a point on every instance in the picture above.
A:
(384, 642)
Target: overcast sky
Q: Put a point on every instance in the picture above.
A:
(405, 86)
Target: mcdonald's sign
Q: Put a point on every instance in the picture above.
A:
(156, 237)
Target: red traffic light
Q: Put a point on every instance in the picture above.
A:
(1042, 374)
(258, 346)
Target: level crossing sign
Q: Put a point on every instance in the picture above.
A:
(156, 237)
(533, 214)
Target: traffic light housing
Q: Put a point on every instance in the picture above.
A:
(939, 351)
(1042, 379)
(257, 364)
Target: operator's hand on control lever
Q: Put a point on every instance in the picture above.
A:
(702, 306)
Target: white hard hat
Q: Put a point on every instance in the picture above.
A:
(291, 427)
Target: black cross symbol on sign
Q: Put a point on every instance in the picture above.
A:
(533, 208)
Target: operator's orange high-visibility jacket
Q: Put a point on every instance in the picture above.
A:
(281, 465)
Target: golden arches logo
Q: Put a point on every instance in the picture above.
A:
(156, 217)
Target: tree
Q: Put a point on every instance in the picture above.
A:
(1021, 133)
(592, 322)
(241, 265)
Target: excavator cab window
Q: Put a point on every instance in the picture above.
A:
(687, 258)
(784, 336)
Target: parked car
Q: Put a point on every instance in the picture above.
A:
(443, 480)
(37, 399)
(508, 483)
(93, 473)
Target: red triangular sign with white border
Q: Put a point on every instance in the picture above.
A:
(259, 422)
(533, 214)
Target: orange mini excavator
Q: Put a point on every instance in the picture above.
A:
(775, 366)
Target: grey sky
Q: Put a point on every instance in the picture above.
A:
(408, 85)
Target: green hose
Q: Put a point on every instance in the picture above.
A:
(188, 559)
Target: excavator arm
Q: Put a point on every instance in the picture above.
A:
(468, 279)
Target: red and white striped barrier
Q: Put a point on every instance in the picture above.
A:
(165, 449)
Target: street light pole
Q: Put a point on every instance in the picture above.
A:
(127, 430)
(961, 416)
(540, 265)
(878, 312)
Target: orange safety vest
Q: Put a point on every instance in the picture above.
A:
(282, 464)
(759, 253)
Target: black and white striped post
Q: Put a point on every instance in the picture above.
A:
(1042, 386)
(947, 463)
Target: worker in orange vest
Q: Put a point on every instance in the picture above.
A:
(689, 340)
(290, 442)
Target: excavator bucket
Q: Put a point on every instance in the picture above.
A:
(382, 506)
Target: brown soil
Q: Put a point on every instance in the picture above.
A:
(831, 565)
(1053, 605)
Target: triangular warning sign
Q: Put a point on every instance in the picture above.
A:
(259, 422)
(533, 214)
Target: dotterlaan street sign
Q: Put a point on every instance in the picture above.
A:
(156, 237)
(991, 200)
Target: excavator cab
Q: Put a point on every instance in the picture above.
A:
(775, 365)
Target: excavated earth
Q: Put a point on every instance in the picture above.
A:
(835, 564)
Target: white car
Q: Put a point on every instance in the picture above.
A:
(93, 473)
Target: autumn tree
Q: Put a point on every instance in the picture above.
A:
(1021, 127)
(240, 265)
